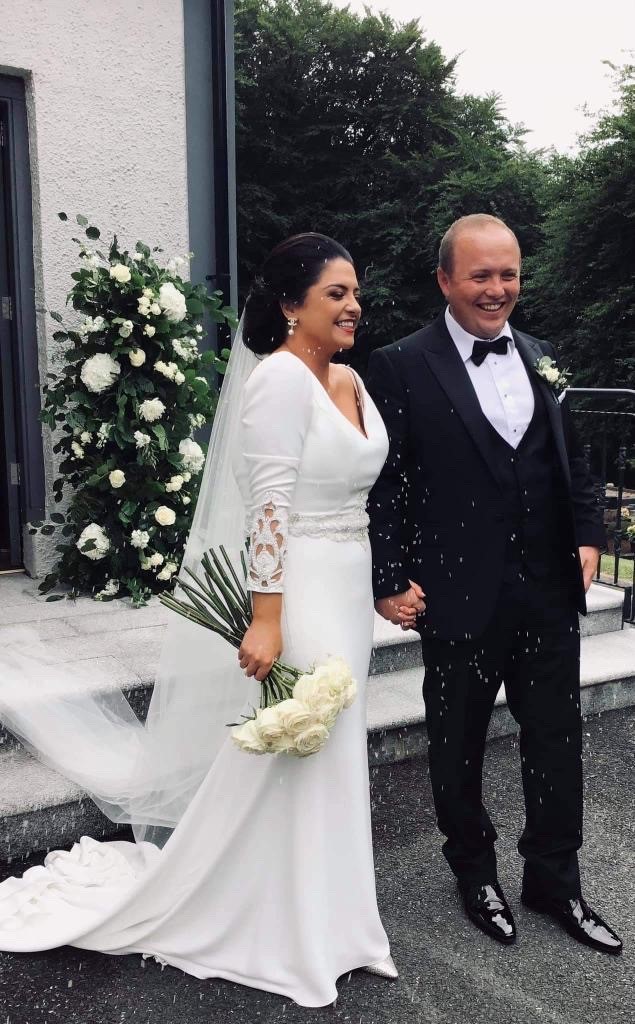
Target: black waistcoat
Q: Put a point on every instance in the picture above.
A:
(533, 495)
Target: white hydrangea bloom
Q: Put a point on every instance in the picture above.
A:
(185, 348)
(152, 409)
(139, 539)
(99, 536)
(193, 458)
(172, 302)
(99, 372)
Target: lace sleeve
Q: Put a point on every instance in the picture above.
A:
(276, 413)
(267, 534)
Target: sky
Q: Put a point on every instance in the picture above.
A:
(544, 57)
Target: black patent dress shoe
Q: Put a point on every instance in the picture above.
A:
(579, 920)
(487, 907)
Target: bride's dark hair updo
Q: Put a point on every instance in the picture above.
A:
(286, 276)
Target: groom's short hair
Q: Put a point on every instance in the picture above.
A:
(471, 220)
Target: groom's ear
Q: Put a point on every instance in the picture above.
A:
(444, 281)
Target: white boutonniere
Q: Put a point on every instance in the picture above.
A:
(556, 378)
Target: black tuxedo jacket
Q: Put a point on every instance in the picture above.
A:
(439, 488)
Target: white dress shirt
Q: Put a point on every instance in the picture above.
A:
(501, 383)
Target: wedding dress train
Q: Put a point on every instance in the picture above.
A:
(268, 878)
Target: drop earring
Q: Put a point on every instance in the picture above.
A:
(293, 323)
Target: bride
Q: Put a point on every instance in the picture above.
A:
(266, 877)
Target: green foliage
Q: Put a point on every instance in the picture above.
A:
(351, 125)
(137, 342)
(581, 292)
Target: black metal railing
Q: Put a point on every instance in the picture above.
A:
(608, 437)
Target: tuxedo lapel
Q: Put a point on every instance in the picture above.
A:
(446, 364)
(530, 352)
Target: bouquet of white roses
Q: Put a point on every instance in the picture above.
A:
(297, 710)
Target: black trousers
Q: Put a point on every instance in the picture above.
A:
(532, 645)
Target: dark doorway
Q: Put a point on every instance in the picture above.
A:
(21, 456)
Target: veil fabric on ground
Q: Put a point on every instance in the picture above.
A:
(145, 775)
(268, 878)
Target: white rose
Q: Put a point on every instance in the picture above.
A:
(185, 499)
(85, 437)
(294, 716)
(155, 308)
(172, 302)
(552, 374)
(179, 378)
(164, 575)
(156, 559)
(141, 439)
(186, 477)
(175, 483)
(246, 737)
(99, 372)
(192, 455)
(171, 567)
(139, 539)
(120, 273)
(311, 740)
(149, 330)
(324, 704)
(126, 329)
(77, 449)
(137, 357)
(143, 305)
(152, 409)
(117, 478)
(270, 729)
(98, 535)
(148, 293)
(165, 516)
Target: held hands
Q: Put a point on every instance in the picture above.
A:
(589, 558)
(402, 609)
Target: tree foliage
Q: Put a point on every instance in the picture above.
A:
(351, 125)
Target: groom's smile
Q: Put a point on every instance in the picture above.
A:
(483, 282)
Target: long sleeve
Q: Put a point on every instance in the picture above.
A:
(275, 418)
(386, 502)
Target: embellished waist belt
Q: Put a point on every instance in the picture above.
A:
(350, 524)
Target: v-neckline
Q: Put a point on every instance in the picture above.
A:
(361, 432)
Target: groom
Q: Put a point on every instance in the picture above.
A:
(486, 504)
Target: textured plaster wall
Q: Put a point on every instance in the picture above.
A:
(106, 103)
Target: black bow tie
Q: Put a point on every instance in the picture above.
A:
(482, 349)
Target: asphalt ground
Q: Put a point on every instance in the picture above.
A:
(450, 972)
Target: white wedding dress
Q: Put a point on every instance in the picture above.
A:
(268, 879)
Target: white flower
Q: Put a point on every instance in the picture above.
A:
(149, 330)
(120, 273)
(137, 357)
(175, 483)
(126, 329)
(155, 308)
(165, 516)
(148, 293)
(117, 478)
(187, 477)
(89, 259)
(197, 420)
(143, 305)
(270, 728)
(179, 378)
(103, 434)
(172, 302)
(247, 738)
(156, 559)
(185, 348)
(99, 372)
(311, 739)
(185, 499)
(168, 370)
(85, 437)
(136, 255)
(198, 329)
(141, 439)
(152, 409)
(77, 449)
(294, 716)
(192, 455)
(89, 326)
(110, 590)
(98, 535)
(551, 374)
(139, 538)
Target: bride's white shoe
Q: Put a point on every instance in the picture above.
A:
(383, 968)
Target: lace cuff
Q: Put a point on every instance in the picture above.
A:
(267, 530)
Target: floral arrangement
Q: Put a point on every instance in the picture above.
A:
(133, 389)
(297, 710)
(556, 378)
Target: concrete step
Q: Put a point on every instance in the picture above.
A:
(39, 809)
